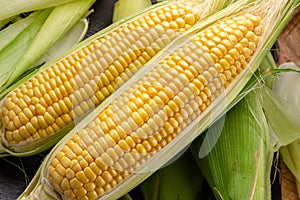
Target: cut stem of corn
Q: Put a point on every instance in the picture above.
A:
(159, 111)
(49, 104)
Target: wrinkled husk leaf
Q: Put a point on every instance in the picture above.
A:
(238, 165)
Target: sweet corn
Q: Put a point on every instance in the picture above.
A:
(151, 113)
(156, 114)
(48, 103)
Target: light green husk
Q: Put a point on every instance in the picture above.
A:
(124, 8)
(58, 22)
(13, 7)
(238, 165)
(277, 14)
(286, 87)
(12, 31)
(12, 52)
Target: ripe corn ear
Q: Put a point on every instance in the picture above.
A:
(43, 108)
(152, 117)
(149, 115)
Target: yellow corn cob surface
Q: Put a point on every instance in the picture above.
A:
(150, 114)
(70, 88)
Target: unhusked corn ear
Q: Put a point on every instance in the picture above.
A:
(151, 113)
(73, 86)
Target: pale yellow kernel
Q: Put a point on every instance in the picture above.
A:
(107, 159)
(96, 170)
(23, 132)
(17, 122)
(52, 112)
(69, 87)
(30, 128)
(82, 162)
(124, 145)
(58, 93)
(34, 121)
(190, 18)
(11, 114)
(48, 118)
(107, 177)
(130, 142)
(65, 185)
(90, 187)
(56, 176)
(40, 110)
(70, 173)
(129, 159)
(82, 177)
(21, 103)
(69, 193)
(49, 130)
(17, 136)
(99, 182)
(80, 192)
(48, 99)
(239, 48)
(9, 104)
(234, 54)
(23, 118)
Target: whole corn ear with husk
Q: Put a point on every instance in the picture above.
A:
(162, 108)
(41, 110)
(238, 165)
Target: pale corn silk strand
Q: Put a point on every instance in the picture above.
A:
(72, 87)
(151, 113)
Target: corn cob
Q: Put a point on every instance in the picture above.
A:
(151, 113)
(151, 119)
(48, 103)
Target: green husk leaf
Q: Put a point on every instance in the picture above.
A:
(238, 165)
(180, 179)
(282, 118)
(68, 40)
(16, 48)
(12, 31)
(124, 8)
(13, 7)
(286, 87)
(60, 20)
